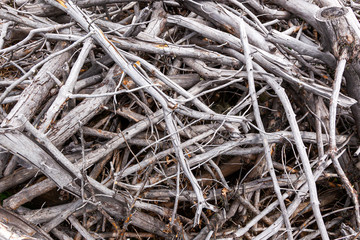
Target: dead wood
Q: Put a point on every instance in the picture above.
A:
(179, 119)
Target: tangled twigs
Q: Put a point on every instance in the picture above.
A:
(179, 119)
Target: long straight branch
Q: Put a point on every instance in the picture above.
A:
(315, 204)
(332, 132)
(255, 105)
(67, 89)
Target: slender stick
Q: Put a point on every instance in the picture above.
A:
(252, 91)
(332, 132)
(66, 90)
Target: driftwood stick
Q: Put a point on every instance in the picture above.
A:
(4, 29)
(66, 90)
(332, 132)
(260, 125)
(344, 40)
(41, 138)
(31, 35)
(62, 216)
(303, 155)
(74, 222)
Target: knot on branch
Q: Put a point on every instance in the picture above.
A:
(330, 13)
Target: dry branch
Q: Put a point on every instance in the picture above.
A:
(179, 119)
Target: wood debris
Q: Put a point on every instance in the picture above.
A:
(179, 119)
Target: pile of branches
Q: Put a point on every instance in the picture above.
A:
(179, 119)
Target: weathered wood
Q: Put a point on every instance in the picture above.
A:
(81, 114)
(127, 118)
(39, 89)
(342, 31)
(15, 227)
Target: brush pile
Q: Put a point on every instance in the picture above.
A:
(179, 119)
